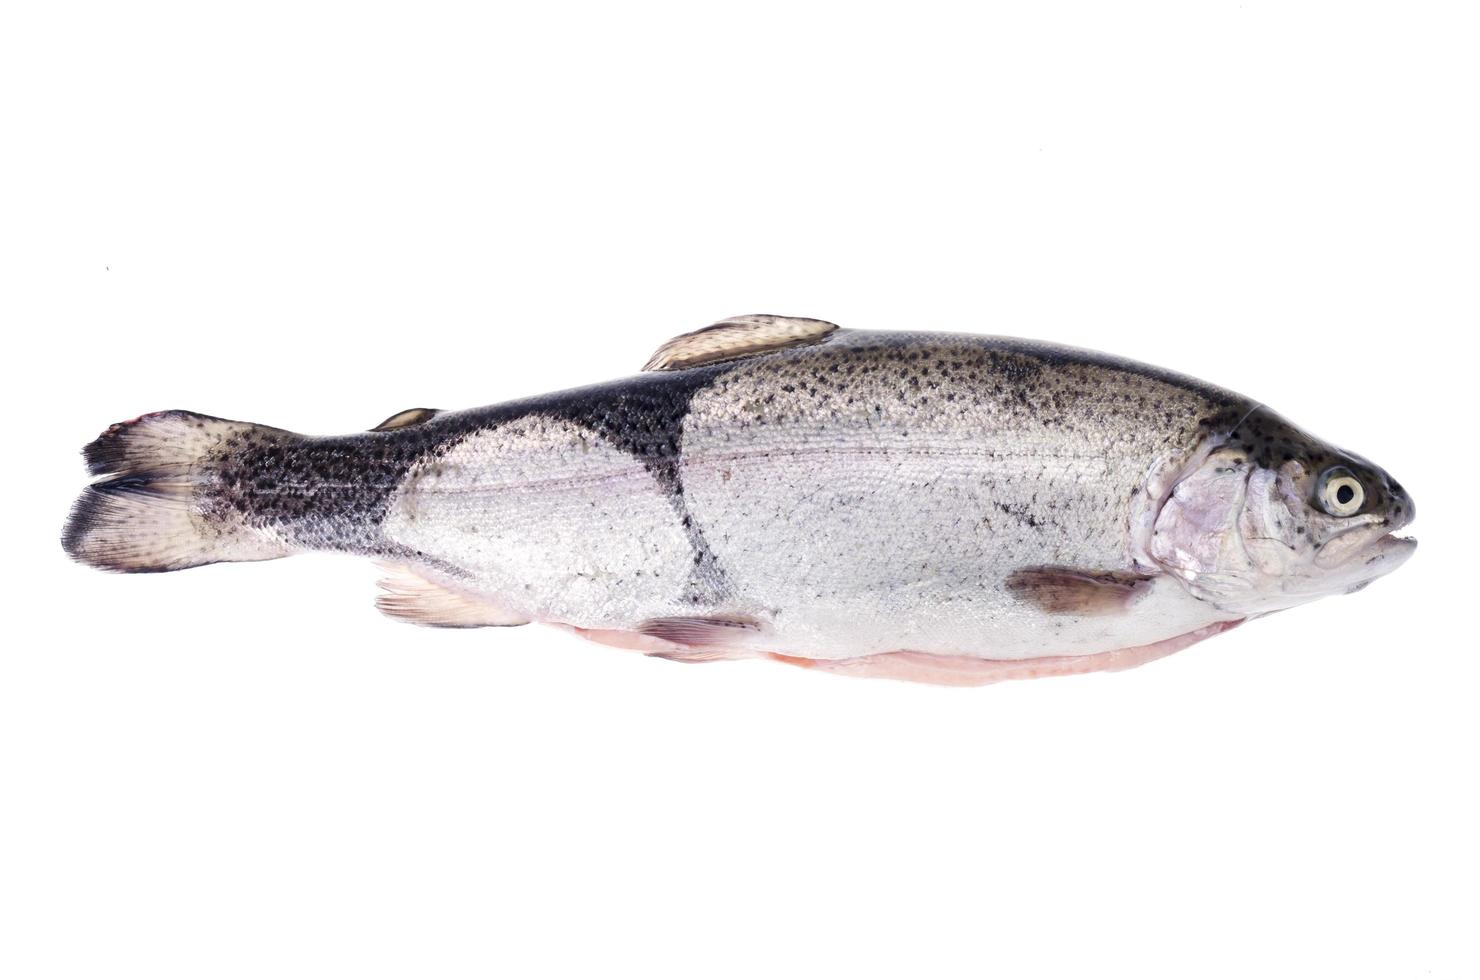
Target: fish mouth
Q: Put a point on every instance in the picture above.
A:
(1371, 539)
(1400, 546)
(1381, 557)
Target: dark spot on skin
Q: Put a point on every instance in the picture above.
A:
(1021, 513)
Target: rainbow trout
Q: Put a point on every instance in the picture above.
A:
(924, 506)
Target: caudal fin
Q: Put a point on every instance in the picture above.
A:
(156, 506)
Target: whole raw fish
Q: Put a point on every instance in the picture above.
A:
(936, 507)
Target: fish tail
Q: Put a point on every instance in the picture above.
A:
(158, 504)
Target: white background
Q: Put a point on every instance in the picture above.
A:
(314, 216)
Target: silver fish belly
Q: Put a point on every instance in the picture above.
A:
(933, 507)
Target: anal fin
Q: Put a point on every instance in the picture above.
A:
(412, 597)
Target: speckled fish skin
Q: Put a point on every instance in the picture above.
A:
(941, 499)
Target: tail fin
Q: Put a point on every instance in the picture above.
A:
(155, 509)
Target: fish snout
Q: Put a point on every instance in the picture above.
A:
(1400, 510)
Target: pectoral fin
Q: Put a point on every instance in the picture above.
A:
(1078, 592)
(739, 336)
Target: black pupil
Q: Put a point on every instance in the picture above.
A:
(1345, 493)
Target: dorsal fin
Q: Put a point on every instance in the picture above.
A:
(412, 416)
(739, 336)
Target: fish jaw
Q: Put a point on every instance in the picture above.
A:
(1382, 555)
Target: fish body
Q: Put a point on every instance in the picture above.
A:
(936, 507)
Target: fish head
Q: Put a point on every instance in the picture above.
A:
(1267, 517)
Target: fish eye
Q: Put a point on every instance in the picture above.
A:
(1341, 493)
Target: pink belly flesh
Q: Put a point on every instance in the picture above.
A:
(925, 668)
